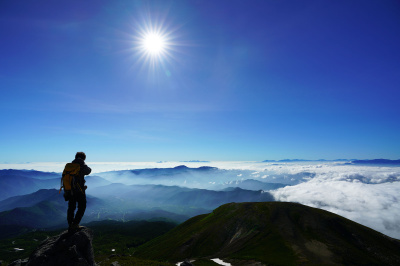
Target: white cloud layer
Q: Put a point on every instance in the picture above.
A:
(367, 195)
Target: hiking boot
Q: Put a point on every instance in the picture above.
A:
(74, 227)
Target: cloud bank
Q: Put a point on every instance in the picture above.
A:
(369, 196)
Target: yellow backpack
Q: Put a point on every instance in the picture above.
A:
(68, 180)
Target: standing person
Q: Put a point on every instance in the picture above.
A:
(79, 195)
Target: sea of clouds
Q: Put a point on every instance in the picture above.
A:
(368, 195)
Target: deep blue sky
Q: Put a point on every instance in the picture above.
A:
(245, 80)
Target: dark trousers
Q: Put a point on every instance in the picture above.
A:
(79, 198)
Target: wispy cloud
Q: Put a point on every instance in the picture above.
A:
(77, 103)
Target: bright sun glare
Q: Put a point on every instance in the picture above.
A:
(153, 44)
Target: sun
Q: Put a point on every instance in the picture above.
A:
(154, 44)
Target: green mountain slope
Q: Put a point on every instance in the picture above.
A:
(274, 233)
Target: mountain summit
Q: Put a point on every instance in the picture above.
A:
(277, 233)
(65, 249)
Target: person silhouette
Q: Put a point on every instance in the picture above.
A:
(78, 195)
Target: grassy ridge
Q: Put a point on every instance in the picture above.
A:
(275, 233)
(226, 232)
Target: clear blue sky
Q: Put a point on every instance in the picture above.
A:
(243, 80)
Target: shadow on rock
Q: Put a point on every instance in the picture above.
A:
(65, 249)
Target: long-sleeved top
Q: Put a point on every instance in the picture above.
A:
(85, 170)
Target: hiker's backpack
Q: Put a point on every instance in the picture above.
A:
(69, 180)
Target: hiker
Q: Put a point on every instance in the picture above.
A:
(78, 193)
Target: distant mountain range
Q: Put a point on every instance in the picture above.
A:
(29, 173)
(202, 177)
(180, 200)
(273, 233)
(19, 182)
(29, 199)
(350, 161)
(303, 160)
(376, 162)
(195, 161)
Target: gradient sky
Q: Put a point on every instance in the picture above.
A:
(243, 80)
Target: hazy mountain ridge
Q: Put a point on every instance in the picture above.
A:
(349, 161)
(376, 162)
(14, 185)
(305, 160)
(27, 200)
(161, 196)
(47, 208)
(29, 173)
(22, 182)
(48, 211)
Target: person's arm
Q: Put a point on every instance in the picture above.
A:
(86, 170)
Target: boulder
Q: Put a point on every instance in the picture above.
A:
(186, 263)
(18, 262)
(65, 249)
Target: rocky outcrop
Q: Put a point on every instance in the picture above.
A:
(19, 262)
(65, 249)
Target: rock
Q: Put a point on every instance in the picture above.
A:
(115, 263)
(186, 263)
(65, 249)
(18, 262)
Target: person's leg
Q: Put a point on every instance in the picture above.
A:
(81, 208)
(71, 210)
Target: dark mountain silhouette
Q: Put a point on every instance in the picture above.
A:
(274, 233)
